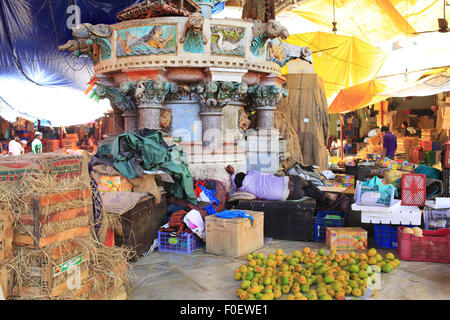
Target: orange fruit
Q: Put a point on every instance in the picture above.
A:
(306, 250)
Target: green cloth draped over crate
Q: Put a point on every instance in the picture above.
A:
(132, 153)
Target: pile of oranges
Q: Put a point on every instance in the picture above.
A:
(309, 275)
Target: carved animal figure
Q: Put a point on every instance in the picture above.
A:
(272, 29)
(194, 23)
(84, 36)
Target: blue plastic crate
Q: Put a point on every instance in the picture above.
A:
(385, 236)
(184, 243)
(321, 224)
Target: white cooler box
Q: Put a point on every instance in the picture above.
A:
(395, 214)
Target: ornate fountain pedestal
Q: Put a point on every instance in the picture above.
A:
(168, 56)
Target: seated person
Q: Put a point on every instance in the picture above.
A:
(407, 130)
(269, 187)
(336, 147)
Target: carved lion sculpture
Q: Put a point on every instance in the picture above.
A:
(273, 29)
(194, 23)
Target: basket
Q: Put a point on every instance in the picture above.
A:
(184, 243)
(321, 224)
(436, 218)
(413, 189)
(434, 246)
(385, 236)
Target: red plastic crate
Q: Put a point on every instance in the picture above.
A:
(418, 155)
(426, 145)
(434, 246)
(414, 191)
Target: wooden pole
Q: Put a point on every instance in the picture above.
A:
(61, 135)
(342, 135)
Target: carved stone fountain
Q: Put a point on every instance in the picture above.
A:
(168, 65)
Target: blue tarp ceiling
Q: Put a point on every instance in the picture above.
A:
(37, 80)
(30, 32)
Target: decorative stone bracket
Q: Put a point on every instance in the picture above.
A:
(118, 99)
(90, 39)
(262, 32)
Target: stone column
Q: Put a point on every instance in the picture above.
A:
(214, 96)
(265, 100)
(232, 113)
(130, 121)
(149, 116)
(149, 96)
(263, 145)
(117, 122)
(185, 106)
(122, 101)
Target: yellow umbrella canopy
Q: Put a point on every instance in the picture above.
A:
(348, 62)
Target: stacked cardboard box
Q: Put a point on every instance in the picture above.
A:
(70, 141)
(51, 145)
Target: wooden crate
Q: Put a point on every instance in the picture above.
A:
(140, 225)
(43, 276)
(36, 219)
(71, 137)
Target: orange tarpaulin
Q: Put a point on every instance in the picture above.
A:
(358, 96)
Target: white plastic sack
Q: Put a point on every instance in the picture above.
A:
(193, 219)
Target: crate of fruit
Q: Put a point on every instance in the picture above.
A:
(426, 245)
(385, 236)
(184, 243)
(324, 220)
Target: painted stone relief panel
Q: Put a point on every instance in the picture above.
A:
(227, 40)
(148, 40)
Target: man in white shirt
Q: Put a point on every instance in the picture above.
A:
(15, 148)
(36, 145)
(336, 147)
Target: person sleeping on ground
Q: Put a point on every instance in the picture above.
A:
(271, 187)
